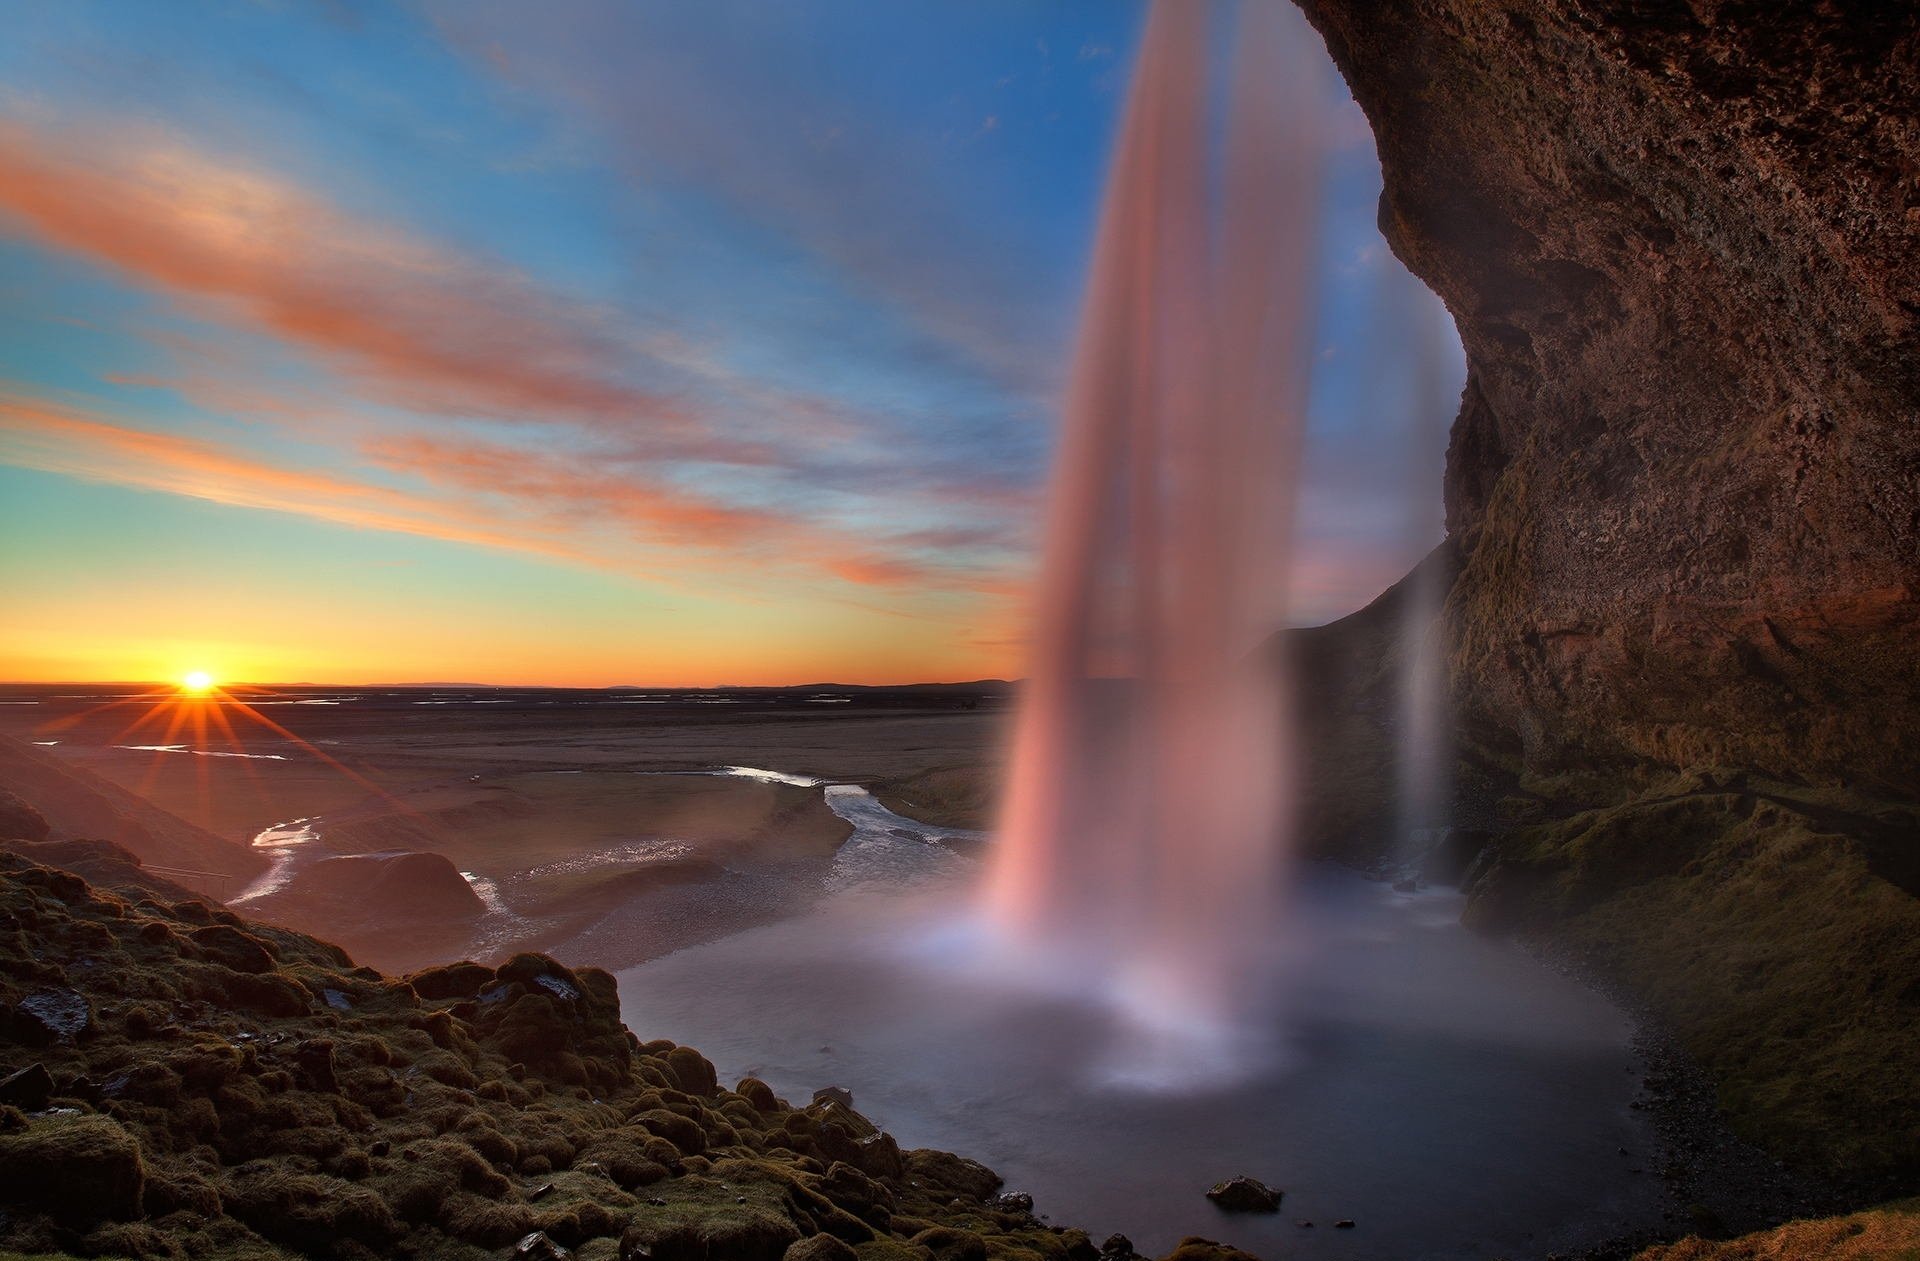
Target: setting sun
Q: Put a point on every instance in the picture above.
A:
(196, 681)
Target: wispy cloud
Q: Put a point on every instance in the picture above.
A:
(57, 438)
(419, 325)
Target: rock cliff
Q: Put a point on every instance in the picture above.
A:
(1681, 242)
(1682, 245)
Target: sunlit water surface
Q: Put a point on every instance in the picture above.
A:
(1450, 1095)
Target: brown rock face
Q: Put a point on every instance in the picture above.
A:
(1682, 244)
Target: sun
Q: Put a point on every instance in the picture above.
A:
(198, 682)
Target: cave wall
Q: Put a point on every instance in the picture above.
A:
(1682, 246)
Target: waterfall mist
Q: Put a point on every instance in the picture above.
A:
(1148, 806)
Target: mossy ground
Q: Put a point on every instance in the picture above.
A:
(246, 1093)
(1773, 928)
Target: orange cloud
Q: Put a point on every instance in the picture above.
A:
(429, 329)
(57, 439)
(579, 491)
(491, 496)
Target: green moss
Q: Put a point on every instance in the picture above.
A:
(250, 1122)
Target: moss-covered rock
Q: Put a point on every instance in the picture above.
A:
(244, 1117)
(74, 1169)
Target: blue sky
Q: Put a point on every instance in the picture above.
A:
(735, 331)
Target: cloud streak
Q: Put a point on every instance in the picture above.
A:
(420, 326)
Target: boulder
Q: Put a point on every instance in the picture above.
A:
(75, 1169)
(1245, 1195)
(968, 1179)
(51, 1015)
(820, 1248)
(27, 1088)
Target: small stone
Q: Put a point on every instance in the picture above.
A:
(835, 1094)
(537, 1247)
(1117, 1246)
(1014, 1202)
(1245, 1195)
(379, 1147)
(541, 1192)
(1303, 1224)
(1345, 1223)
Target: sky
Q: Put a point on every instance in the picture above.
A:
(595, 343)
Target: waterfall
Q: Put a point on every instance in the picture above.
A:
(1146, 821)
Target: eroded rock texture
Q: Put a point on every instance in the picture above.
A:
(1682, 243)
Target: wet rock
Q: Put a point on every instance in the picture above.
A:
(538, 1247)
(1117, 1248)
(837, 1094)
(1014, 1202)
(51, 1015)
(1245, 1195)
(1345, 1223)
(29, 1088)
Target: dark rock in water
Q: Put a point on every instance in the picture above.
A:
(820, 1248)
(538, 1247)
(1117, 1247)
(837, 1094)
(28, 1089)
(51, 1015)
(1245, 1195)
(1345, 1223)
(1014, 1202)
(75, 1169)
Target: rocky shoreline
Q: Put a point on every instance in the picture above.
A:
(181, 1082)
